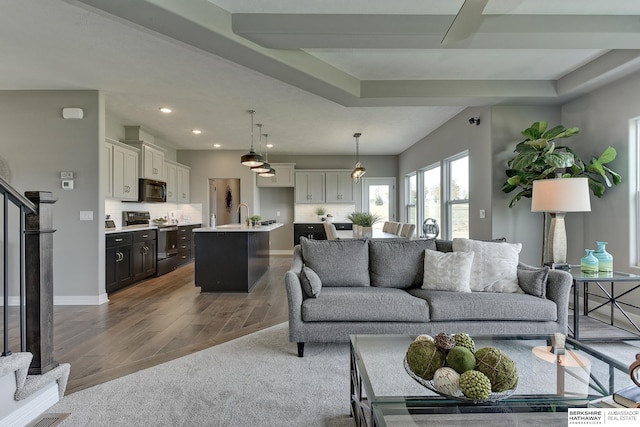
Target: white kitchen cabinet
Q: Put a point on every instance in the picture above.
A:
(339, 187)
(283, 178)
(125, 173)
(107, 169)
(183, 173)
(310, 187)
(171, 176)
(151, 160)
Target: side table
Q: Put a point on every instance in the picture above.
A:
(602, 331)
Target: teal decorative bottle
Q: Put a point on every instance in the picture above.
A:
(605, 259)
(589, 263)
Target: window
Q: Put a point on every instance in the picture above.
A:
(444, 196)
(458, 196)
(431, 195)
(635, 134)
(411, 197)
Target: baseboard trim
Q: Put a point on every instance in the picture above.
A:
(33, 406)
(69, 300)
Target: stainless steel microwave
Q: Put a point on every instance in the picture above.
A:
(152, 191)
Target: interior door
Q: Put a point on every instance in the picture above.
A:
(379, 197)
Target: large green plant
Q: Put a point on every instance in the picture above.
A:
(538, 157)
(365, 219)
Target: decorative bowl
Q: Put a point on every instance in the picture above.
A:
(493, 397)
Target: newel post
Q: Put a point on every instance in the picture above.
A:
(39, 282)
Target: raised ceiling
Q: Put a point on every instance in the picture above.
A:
(315, 72)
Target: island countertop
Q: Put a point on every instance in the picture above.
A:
(238, 228)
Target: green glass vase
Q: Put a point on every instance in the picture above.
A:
(605, 259)
(589, 264)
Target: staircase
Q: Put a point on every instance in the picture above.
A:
(30, 380)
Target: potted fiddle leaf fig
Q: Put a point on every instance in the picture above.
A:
(538, 157)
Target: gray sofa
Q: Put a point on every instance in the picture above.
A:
(374, 287)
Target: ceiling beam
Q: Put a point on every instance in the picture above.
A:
(306, 31)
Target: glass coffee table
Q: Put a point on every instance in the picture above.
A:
(383, 394)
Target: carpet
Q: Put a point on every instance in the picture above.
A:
(256, 380)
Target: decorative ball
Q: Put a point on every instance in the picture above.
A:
(464, 340)
(461, 359)
(444, 341)
(498, 367)
(447, 381)
(424, 358)
(424, 337)
(475, 385)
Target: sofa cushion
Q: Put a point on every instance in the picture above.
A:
(495, 265)
(397, 263)
(311, 283)
(451, 306)
(447, 271)
(533, 280)
(337, 262)
(370, 304)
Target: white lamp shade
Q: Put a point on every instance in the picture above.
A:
(561, 195)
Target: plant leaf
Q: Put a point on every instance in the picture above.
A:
(567, 133)
(538, 144)
(560, 159)
(553, 132)
(523, 161)
(608, 155)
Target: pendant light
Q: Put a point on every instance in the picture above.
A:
(271, 172)
(251, 159)
(264, 167)
(358, 171)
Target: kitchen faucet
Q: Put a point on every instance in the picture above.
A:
(247, 219)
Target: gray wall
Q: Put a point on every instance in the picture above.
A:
(38, 144)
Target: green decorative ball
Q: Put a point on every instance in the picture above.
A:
(424, 358)
(464, 340)
(498, 367)
(461, 359)
(475, 385)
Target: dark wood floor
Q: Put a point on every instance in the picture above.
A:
(159, 320)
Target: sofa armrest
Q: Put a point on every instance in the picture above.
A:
(559, 285)
(294, 300)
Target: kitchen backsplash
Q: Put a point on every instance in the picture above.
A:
(307, 213)
(185, 213)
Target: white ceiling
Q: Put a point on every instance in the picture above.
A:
(314, 75)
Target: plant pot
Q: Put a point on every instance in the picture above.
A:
(356, 231)
(367, 232)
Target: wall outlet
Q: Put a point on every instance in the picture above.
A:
(278, 213)
(483, 214)
(67, 184)
(86, 215)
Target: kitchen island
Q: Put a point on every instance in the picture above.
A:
(231, 257)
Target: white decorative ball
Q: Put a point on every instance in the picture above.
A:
(447, 381)
(424, 337)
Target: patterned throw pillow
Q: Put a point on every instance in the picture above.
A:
(447, 271)
(533, 281)
(495, 265)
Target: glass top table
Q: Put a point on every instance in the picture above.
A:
(382, 393)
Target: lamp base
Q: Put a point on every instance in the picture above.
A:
(558, 266)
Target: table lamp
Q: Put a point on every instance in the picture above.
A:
(558, 196)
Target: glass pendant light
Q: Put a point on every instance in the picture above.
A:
(251, 159)
(264, 167)
(271, 172)
(359, 170)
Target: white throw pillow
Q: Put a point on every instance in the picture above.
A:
(495, 265)
(447, 271)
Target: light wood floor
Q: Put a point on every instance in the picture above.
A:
(161, 319)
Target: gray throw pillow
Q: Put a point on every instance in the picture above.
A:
(337, 262)
(311, 283)
(397, 263)
(533, 280)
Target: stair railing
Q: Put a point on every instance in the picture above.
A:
(35, 271)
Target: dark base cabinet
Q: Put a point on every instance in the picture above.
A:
(130, 257)
(315, 231)
(185, 251)
(230, 262)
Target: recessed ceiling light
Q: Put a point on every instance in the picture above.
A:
(196, 131)
(217, 145)
(269, 145)
(165, 110)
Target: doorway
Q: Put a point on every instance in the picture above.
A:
(379, 197)
(224, 196)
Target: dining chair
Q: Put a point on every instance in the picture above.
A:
(330, 231)
(407, 231)
(394, 227)
(387, 226)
